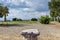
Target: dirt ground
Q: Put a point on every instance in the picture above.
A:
(47, 32)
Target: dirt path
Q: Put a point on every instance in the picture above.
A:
(47, 32)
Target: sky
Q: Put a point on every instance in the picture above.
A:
(26, 9)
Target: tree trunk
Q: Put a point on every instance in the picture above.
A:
(5, 18)
(54, 19)
(57, 19)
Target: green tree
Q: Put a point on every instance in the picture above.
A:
(4, 11)
(1, 14)
(54, 6)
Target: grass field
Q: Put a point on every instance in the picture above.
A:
(12, 32)
(17, 22)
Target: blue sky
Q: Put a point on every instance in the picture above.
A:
(26, 9)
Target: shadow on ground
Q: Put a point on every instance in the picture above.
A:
(12, 25)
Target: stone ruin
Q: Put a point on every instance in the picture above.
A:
(30, 34)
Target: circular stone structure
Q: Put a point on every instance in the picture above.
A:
(30, 34)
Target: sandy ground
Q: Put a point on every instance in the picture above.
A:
(47, 32)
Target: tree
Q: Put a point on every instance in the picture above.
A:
(3, 11)
(1, 15)
(54, 7)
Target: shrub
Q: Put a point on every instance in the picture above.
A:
(16, 19)
(34, 19)
(44, 19)
(19, 20)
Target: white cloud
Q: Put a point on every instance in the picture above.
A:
(45, 13)
(13, 13)
(17, 13)
(28, 9)
(29, 3)
(12, 2)
(26, 13)
(16, 2)
(22, 0)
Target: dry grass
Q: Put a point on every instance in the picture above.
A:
(58, 25)
(19, 37)
(52, 34)
(10, 37)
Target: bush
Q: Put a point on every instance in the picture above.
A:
(34, 19)
(19, 20)
(15, 19)
(45, 20)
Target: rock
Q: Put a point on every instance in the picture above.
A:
(30, 34)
